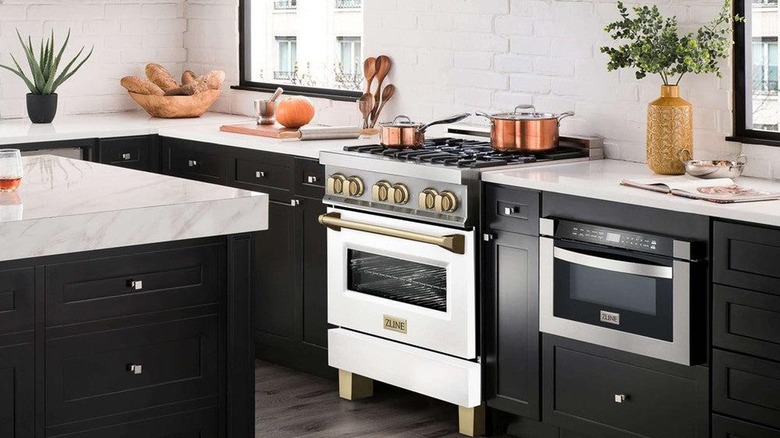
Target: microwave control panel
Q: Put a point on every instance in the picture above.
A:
(615, 238)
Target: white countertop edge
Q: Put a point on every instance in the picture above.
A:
(764, 212)
(131, 227)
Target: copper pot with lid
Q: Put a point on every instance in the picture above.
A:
(524, 130)
(402, 133)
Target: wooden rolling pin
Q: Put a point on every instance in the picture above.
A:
(328, 132)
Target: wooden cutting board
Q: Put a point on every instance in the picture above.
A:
(271, 131)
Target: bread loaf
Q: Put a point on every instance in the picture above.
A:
(184, 90)
(160, 76)
(215, 79)
(141, 86)
(188, 77)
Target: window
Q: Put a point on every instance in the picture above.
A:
(756, 56)
(311, 47)
(287, 67)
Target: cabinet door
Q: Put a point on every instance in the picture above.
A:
(194, 160)
(16, 392)
(130, 152)
(512, 317)
(315, 273)
(277, 300)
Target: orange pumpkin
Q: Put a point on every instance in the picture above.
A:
(294, 112)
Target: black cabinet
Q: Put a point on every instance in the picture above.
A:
(511, 301)
(290, 301)
(746, 321)
(194, 160)
(611, 394)
(17, 300)
(17, 392)
(138, 152)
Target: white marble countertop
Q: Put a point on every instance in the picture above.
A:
(102, 126)
(601, 180)
(65, 206)
(309, 149)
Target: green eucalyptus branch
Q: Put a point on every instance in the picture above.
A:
(43, 78)
(654, 46)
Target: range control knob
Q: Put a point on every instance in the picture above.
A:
(427, 199)
(399, 194)
(446, 202)
(336, 183)
(380, 190)
(355, 187)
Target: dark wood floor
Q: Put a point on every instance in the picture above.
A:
(292, 404)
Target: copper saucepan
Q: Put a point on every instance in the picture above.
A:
(524, 131)
(402, 133)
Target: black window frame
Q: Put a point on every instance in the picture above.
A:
(244, 34)
(741, 88)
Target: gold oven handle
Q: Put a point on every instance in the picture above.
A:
(454, 243)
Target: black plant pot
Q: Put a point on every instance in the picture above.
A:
(41, 107)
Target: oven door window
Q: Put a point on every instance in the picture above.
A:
(399, 280)
(628, 302)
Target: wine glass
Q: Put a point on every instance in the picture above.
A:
(10, 169)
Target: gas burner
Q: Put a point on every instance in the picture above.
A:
(469, 154)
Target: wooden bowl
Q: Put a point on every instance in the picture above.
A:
(176, 107)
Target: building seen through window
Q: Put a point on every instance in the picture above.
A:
(307, 43)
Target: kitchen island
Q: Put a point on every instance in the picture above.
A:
(124, 303)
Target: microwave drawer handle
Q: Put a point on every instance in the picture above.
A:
(613, 265)
(454, 243)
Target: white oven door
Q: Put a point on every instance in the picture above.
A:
(402, 280)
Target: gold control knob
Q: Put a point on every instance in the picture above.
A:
(355, 187)
(427, 199)
(380, 190)
(398, 194)
(446, 202)
(336, 183)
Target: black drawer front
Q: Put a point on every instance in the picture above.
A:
(130, 285)
(130, 152)
(584, 390)
(258, 175)
(198, 161)
(746, 387)
(746, 256)
(746, 321)
(309, 178)
(17, 300)
(512, 209)
(724, 427)
(195, 424)
(91, 376)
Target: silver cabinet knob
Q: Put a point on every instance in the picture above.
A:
(295, 202)
(620, 398)
(487, 237)
(192, 163)
(259, 174)
(126, 156)
(135, 284)
(311, 180)
(135, 369)
(509, 211)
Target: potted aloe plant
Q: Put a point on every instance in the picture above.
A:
(43, 79)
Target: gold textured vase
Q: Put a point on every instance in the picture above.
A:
(669, 131)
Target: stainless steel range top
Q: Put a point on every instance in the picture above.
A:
(437, 183)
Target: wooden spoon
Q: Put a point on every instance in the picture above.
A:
(369, 71)
(366, 105)
(387, 94)
(383, 66)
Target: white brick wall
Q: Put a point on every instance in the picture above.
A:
(126, 34)
(449, 56)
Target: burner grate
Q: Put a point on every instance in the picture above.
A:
(466, 153)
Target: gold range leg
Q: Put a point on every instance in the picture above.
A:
(471, 421)
(354, 387)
